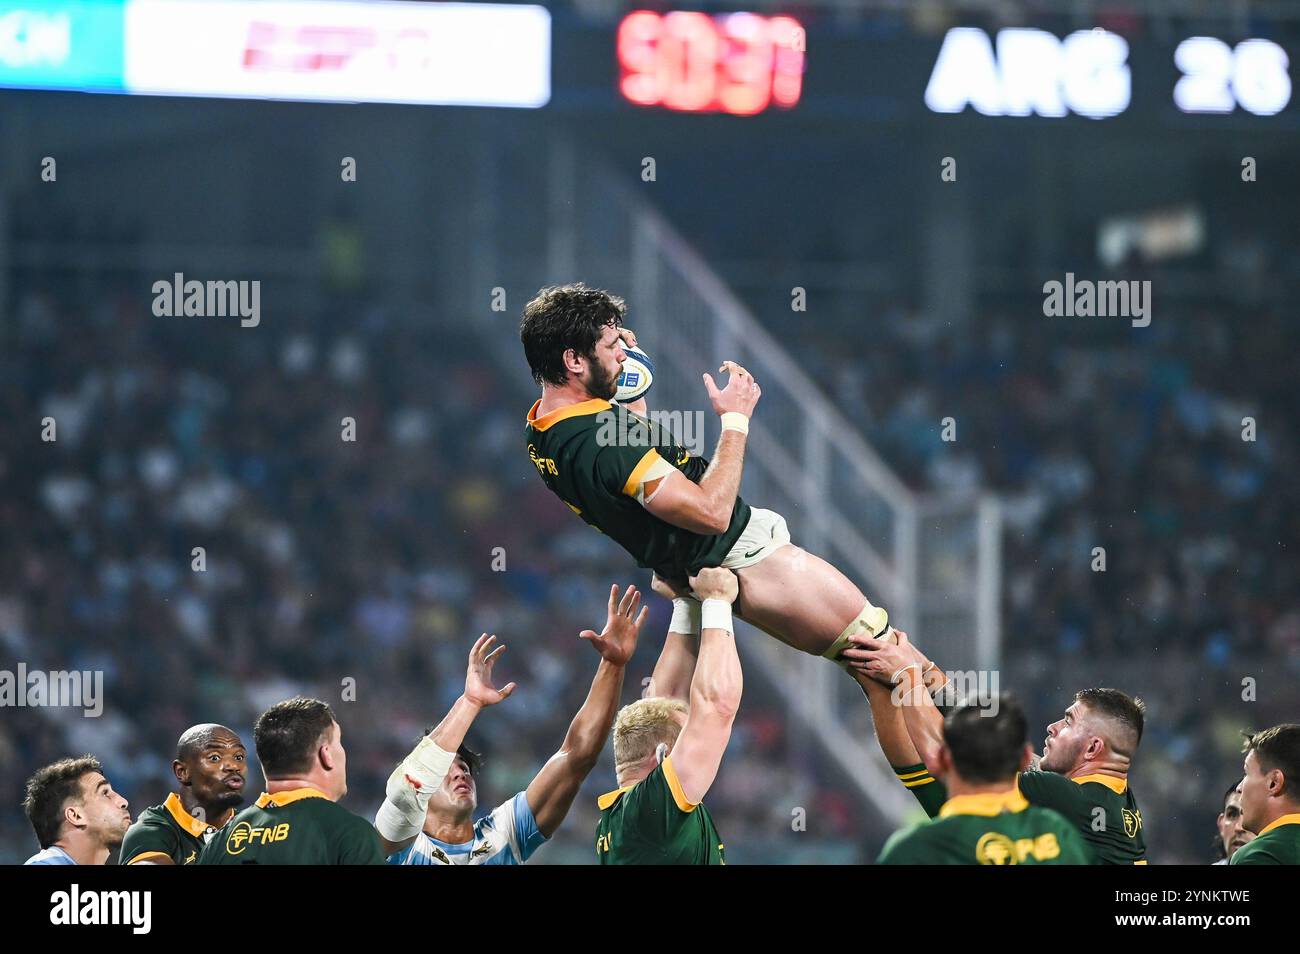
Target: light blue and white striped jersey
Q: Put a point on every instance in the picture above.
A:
(53, 855)
(507, 836)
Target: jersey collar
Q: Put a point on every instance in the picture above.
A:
(1292, 819)
(987, 804)
(173, 807)
(1117, 785)
(609, 798)
(592, 406)
(280, 799)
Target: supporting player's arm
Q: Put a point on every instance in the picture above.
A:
(715, 689)
(706, 507)
(413, 782)
(902, 667)
(676, 666)
(551, 793)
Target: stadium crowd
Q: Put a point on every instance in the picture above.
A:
(360, 570)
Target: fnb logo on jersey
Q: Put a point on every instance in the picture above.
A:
(995, 848)
(245, 834)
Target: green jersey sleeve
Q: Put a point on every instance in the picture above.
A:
(149, 835)
(928, 790)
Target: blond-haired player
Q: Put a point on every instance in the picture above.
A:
(667, 752)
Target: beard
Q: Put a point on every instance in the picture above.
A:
(598, 385)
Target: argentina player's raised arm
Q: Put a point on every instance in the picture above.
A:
(551, 793)
(401, 817)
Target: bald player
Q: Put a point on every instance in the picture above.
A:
(211, 771)
(1087, 753)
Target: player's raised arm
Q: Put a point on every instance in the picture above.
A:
(551, 793)
(413, 782)
(676, 666)
(706, 507)
(901, 665)
(715, 689)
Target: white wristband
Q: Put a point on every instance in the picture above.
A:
(716, 614)
(735, 421)
(409, 789)
(686, 617)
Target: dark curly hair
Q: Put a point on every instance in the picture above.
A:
(563, 317)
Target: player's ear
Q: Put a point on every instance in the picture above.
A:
(572, 360)
(181, 771)
(325, 757)
(661, 753)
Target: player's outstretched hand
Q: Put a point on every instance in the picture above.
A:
(881, 659)
(715, 583)
(741, 393)
(478, 678)
(622, 627)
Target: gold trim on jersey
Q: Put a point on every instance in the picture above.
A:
(194, 826)
(917, 782)
(280, 799)
(1116, 785)
(904, 776)
(1292, 819)
(147, 856)
(675, 784)
(650, 458)
(987, 804)
(609, 798)
(593, 406)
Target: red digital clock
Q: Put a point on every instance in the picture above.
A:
(737, 63)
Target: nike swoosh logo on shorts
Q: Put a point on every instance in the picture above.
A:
(755, 552)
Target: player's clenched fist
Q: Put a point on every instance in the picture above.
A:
(715, 583)
(739, 396)
(478, 678)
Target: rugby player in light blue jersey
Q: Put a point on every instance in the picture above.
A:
(77, 816)
(428, 815)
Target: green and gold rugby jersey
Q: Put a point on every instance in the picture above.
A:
(298, 827)
(1277, 844)
(652, 823)
(1101, 807)
(165, 830)
(929, 791)
(593, 455)
(999, 828)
